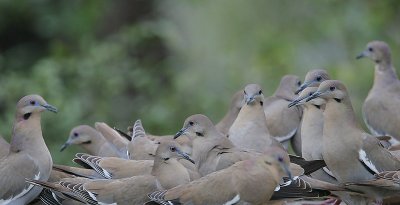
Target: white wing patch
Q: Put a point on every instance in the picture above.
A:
(286, 182)
(326, 170)
(235, 200)
(55, 197)
(94, 198)
(373, 131)
(363, 157)
(287, 137)
(21, 194)
(393, 141)
(91, 195)
(107, 174)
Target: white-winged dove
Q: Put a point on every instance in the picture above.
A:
(28, 156)
(249, 131)
(91, 141)
(251, 181)
(381, 108)
(351, 154)
(312, 130)
(118, 168)
(211, 150)
(166, 173)
(283, 122)
(313, 79)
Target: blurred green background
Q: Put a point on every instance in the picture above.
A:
(161, 61)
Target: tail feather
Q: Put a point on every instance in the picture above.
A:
(91, 162)
(158, 197)
(49, 198)
(138, 130)
(80, 172)
(54, 191)
(298, 188)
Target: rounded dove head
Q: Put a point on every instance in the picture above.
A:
(278, 157)
(33, 104)
(82, 134)
(331, 89)
(196, 125)
(378, 51)
(309, 92)
(290, 82)
(253, 94)
(314, 78)
(171, 149)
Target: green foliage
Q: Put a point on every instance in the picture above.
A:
(161, 61)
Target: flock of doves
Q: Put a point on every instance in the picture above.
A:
(243, 159)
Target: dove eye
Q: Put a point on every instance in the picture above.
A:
(280, 159)
(199, 134)
(332, 88)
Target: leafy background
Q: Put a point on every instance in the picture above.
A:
(161, 61)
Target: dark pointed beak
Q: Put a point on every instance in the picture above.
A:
(185, 156)
(285, 167)
(181, 132)
(313, 96)
(297, 101)
(65, 145)
(293, 103)
(361, 55)
(303, 86)
(50, 108)
(249, 99)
